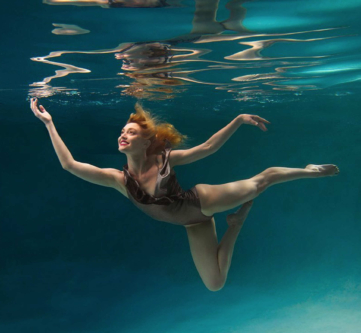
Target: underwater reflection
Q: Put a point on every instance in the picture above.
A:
(68, 29)
(148, 64)
(111, 3)
(164, 69)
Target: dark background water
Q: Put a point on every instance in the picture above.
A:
(76, 257)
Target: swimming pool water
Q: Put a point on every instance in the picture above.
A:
(77, 257)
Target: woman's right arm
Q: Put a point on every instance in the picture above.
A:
(105, 177)
(88, 172)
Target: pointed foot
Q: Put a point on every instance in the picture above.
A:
(324, 169)
(238, 218)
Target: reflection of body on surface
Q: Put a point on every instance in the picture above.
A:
(162, 69)
(154, 66)
(149, 181)
(148, 61)
(111, 3)
(149, 65)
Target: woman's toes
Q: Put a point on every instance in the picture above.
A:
(240, 215)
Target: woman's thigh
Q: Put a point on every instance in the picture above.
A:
(203, 244)
(219, 198)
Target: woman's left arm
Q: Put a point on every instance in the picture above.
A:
(217, 140)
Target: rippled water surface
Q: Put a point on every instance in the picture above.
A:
(80, 258)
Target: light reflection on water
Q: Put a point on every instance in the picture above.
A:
(222, 55)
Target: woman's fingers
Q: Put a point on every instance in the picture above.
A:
(262, 119)
(258, 118)
(32, 105)
(262, 127)
(259, 123)
(40, 111)
(33, 102)
(35, 108)
(256, 121)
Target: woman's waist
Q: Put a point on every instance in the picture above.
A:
(164, 198)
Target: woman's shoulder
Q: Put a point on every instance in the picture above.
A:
(120, 181)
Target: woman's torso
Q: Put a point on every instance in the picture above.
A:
(159, 195)
(147, 181)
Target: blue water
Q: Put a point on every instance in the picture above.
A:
(76, 257)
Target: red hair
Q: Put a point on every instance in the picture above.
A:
(155, 131)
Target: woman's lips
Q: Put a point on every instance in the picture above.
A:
(124, 143)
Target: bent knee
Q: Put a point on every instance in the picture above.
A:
(215, 285)
(215, 289)
(260, 184)
(261, 187)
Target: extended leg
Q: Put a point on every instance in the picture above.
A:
(219, 198)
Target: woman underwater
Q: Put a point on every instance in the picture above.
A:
(149, 181)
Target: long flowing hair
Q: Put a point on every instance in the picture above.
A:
(156, 131)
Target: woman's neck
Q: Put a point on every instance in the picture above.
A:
(139, 164)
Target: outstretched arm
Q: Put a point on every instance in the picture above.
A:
(216, 141)
(105, 177)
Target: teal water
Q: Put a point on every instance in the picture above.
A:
(77, 257)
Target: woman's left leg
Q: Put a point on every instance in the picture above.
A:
(219, 198)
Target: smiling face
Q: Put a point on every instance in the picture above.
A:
(131, 138)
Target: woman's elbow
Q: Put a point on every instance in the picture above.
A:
(66, 166)
(209, 148)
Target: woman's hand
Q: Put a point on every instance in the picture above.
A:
(251, 119)
(40, 112)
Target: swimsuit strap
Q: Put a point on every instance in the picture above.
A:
(165, 179)
(166, 152)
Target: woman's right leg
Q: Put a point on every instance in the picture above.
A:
(219, 198)
(211, 259)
